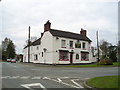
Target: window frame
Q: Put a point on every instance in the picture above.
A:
(37, 47)
(71, 47)
(63, 55)
(84, 56)
(84, 45)
(35, 57)
(63, 43)
(76, 44)
(77, 56)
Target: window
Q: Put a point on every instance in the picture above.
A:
(36, 57)
(71, 44)
(83, 45)
(42, 54)
(63, 56)
(63, 44)
(84, 56)
(77, 56)
(37, 47)
(78, 44)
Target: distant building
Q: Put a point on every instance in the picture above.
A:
(60, 47)
(19, 57)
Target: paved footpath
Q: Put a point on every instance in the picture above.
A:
(31, 77)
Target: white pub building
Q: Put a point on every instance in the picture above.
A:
(60, 47)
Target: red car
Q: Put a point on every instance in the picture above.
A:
(13, 60)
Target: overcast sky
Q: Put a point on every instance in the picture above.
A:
(68, 15)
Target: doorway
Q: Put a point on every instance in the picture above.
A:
(71, 58)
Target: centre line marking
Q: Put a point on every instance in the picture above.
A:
(36, 77)
(24, 77)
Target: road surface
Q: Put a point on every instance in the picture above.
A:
(39, 77)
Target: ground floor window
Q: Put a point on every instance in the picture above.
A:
(77, 56)
(63, 55)
(84, 56)
(35, 57)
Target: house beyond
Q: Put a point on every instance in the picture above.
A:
(60, 47)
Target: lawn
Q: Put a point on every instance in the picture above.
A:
(95, 65)
(104, 82)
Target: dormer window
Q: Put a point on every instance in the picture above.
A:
(63, 43)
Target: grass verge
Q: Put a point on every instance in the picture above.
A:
(104, 82)
(95, 65)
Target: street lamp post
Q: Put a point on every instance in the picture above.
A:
(29, 45)
(97, 46)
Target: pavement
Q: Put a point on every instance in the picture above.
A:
(47, 77)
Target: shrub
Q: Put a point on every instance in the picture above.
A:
(105, 62)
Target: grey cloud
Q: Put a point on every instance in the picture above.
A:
(67, 15)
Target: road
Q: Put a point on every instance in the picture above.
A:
(39, 77)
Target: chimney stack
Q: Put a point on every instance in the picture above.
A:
(47, 26)
(41, 34)
(83, 32)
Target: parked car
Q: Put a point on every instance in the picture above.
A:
(8, 60)
(13, 60)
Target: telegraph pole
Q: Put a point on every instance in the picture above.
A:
(29, 45)
(97, 46)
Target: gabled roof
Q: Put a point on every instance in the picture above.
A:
(67, 34)
(61, 33)
(36, 42)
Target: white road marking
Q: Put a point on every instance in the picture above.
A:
(45, 78)
(4, 77)
(24, 77)
(59, 80)
(77, 83)
(33, 84)
(14, 77)
(63, 83)
(37, 77)
(64, 77)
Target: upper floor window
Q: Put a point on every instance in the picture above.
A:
(37, 47)
(63, 43)
(77, 44)
(83, 45)
(71, 44)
